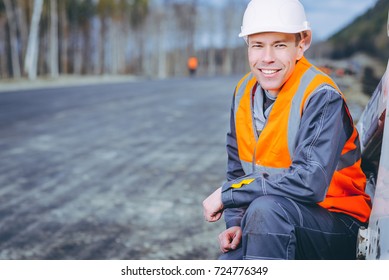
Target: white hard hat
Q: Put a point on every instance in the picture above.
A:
(286, 16)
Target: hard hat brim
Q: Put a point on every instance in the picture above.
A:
(307, 38)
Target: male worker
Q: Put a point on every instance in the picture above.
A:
(192, 64)
(295, 187)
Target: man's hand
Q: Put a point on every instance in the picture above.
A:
(230, 239)
(213, 206)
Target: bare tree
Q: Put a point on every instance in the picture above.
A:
(31, 60)
(138, 13)
(21, 18)
(211, 50)
(63, 38)
(3, 43)
(13, 38)
(54, 69)
(162, 49)
(230, 20)
(105, 9)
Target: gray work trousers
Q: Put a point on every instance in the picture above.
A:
(276, 227)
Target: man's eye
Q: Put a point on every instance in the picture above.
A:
(280, 46)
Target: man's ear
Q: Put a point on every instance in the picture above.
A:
(300, 49)
(304, 44)
(307, 39)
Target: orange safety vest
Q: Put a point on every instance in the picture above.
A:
(192, 63)
(346, 190)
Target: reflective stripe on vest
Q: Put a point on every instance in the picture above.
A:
(272, 151)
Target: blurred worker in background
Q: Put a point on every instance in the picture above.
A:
(192, 65)
(295, 187)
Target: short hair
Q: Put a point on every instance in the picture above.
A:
(300, 36)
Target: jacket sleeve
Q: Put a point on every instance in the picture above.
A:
(324, 129)
(234, 167)
(233, 216)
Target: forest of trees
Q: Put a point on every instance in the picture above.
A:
(48, 38)
(367, 33)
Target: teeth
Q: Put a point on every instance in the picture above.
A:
(268, 72)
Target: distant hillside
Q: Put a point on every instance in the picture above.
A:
(361, 48)
(367, 34)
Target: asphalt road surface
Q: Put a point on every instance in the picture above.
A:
(112, 171)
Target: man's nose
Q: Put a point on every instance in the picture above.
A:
(268, 54)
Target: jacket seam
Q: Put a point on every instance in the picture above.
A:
(319, 129)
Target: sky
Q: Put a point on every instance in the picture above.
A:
(325, 16)
(329, 16)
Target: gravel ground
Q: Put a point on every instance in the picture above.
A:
(114, 170)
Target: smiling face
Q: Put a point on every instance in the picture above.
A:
(272, 58)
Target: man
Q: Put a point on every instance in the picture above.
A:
(192, 65)
(295, 187)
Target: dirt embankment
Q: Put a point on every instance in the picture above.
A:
(350, 74)
(351, 87)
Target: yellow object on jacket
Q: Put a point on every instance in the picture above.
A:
(346, 190)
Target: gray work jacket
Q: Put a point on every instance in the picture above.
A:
(324, 119)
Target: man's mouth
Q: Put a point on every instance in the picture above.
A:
(268, 71)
